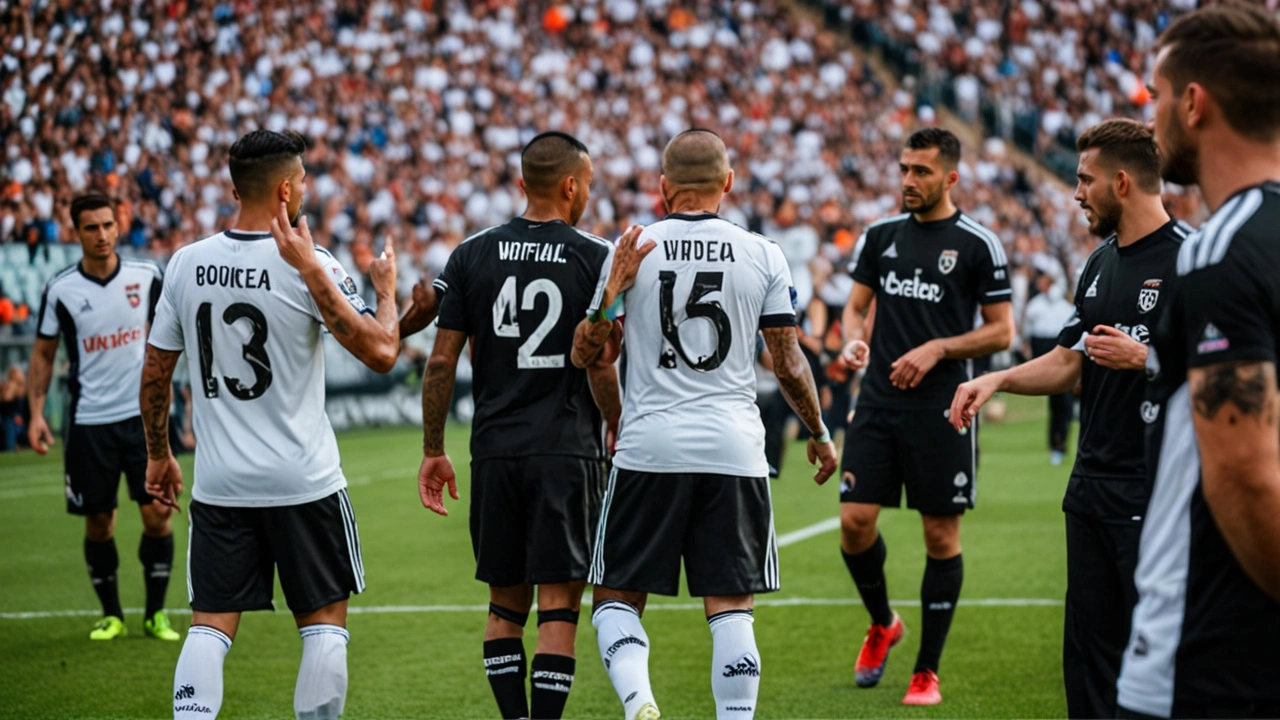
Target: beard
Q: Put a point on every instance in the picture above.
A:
(926, 202)
(1179, 162)
(1107, 216)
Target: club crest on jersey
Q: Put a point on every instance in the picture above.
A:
(1148, 295)
(947, 261)
(133, 292)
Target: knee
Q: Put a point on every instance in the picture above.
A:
(100, 527)
(942, 540)
(857, 532)
(155, 519)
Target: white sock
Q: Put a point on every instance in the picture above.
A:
(735, 664)
(197, 681)
(322, 677)
(624, 648)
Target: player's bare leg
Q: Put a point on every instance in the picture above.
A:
(554, 662)
(197, 680)
(864, 554)
(624, 649)
(103, 561)
(939, 593)
(156, 553)
(504, 660)
(735, 659)
(321, 691)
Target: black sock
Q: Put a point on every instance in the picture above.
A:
(552, 677)
(103, 560)
(867, 569)
(156, 554)
(939, 593)
(505, 667)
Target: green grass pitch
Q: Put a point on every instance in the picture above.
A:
(415, 634)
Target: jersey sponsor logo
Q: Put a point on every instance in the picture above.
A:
(111, 341)
(517, 251)
(1150, 412)
(892, 252)
(947, 261)
(743, 666)
(912, 288)
(1148, 295)
(1212, 341)
(233, 277)
(1093, 288)
(133, 293)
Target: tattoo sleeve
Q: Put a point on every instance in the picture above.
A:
(589, 339)
(437, 388)
(157, 389)
(1241, 387)
(795, 379)
(603, 379)
(366, 339)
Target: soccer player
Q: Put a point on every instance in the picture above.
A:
(102, 307)
(269, 494)
(1207, 624)
(689, 479)
(516, 291)
(1103, 346)
(929, 271)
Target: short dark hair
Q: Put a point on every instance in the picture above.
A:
(935, 137)
(1233, 51)
(262, 159)
(1127, 145)
(90, 201)
(548, 158)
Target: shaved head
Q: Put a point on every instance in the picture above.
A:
(696, 161)
(548, 159)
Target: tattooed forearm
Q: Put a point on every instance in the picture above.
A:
(437, 389)
(795, 379)
(1243, 385)
(603, 380)
(588, 340)
(157, 387)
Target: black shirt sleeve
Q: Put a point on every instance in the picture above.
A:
(992, 276)
(1072, 334)
(866, 260)
(1226, 313)
(157, 284)
(452, 282)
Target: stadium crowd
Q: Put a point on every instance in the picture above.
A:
(417, 111)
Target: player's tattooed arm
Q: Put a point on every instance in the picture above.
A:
(39, 374)
(795, 379)
(155, 399)
(437, 389)
(422, 309)
(375, 341)
(1237, 421)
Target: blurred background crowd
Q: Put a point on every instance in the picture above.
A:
(417, 110)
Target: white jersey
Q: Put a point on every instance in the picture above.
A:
(690, 332)
(104, 327)
(252, 334)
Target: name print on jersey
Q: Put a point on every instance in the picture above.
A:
(531, 251)
(698, 250)
(233, 277)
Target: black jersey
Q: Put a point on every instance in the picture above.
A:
(519, 290)
(1203, 632)
(1121, 287)
(929, 279)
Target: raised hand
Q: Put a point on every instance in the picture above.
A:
(295, 244)
(382, 271)
(627, 258)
